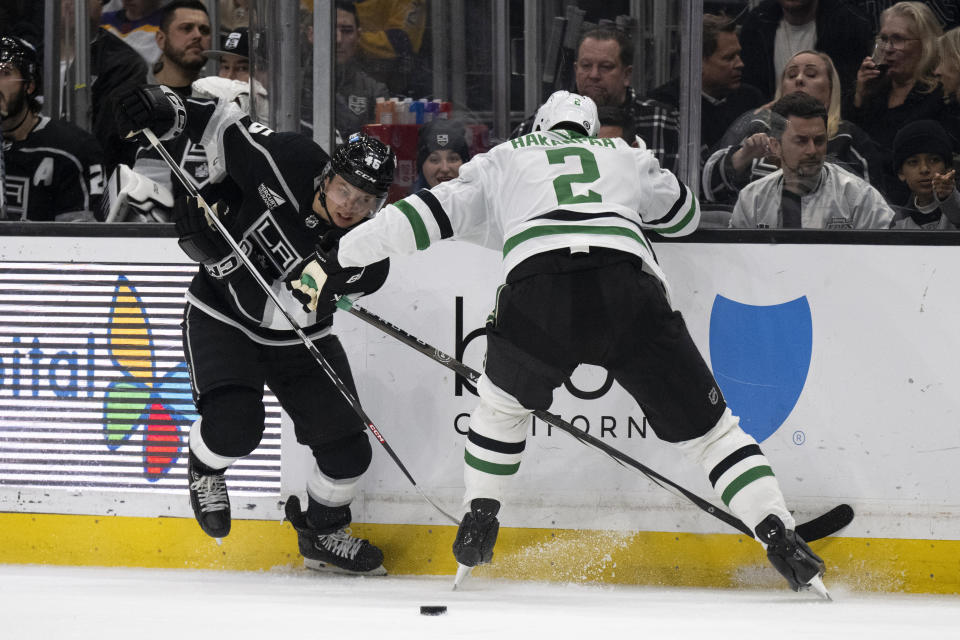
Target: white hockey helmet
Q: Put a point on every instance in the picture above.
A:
(563, 106)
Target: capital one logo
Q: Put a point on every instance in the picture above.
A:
(145, 399)
(761, 357)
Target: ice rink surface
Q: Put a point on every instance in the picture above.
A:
(45, 602)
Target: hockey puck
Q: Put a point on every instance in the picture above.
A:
(437, 610)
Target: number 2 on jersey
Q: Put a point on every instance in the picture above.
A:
(562, 184)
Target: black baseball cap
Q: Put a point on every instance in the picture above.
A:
(236, 43)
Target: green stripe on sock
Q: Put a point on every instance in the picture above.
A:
(490, 467)
(419, 229)
(743, 480)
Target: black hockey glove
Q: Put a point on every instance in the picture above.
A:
(199, 239)
(152, 106)
(322, 277)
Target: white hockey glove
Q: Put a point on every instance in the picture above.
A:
(127, 189)
(308, 286)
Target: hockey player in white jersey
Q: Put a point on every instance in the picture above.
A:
(568, 211)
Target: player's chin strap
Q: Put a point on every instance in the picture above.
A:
(327, 368)
(320, 189)
(820, 527)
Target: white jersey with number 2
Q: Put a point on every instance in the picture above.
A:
(540, 192)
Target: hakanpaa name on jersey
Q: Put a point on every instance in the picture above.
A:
(541, 192)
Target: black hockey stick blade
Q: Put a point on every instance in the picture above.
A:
(827, 524)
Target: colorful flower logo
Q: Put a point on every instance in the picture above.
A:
(155, 402)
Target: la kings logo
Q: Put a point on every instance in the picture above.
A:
(16, 191)
(266, 244)
(357, 104)
(194, 164)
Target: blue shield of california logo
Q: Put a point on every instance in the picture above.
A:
(760, 357)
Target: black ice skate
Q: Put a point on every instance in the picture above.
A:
(209, 499)
(477, 533)
(792, 557)
(331, 547)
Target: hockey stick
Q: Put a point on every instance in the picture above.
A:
(312, 348)
(3, 184)
(820, 527)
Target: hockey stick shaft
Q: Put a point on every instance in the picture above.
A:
(819, 527)
(3, 184)
(312, 348)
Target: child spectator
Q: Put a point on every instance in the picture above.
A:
(441, 149)
(922, 160)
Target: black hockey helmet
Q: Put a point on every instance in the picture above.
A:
(21, 55)
(366, 163)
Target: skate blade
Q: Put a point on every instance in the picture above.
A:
(323, 567)
(816, 585)
(462, 572)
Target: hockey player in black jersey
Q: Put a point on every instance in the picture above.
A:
(53, 168)
(286, 197)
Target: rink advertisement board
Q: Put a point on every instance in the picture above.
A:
(94, 389)
(840, 359)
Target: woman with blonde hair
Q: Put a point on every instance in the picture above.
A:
(897, 85)
(741, 156)
(947, 70)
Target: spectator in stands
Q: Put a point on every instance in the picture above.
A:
(234, 55)
(743, 154)
(357, 89)
(441, 149)
(903, 87)
(614, 123)
(923, 160)
(807, 192)
(777, 29)
(136, 23)
(183, 36)
(946, 11)
(724, 96)
(114, 67)
(233, 82)
(603, 68)
(947, 70)
(53, 169)
(391, 32)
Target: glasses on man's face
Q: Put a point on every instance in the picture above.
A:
(894, 41)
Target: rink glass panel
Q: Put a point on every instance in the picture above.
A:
(95, 391)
